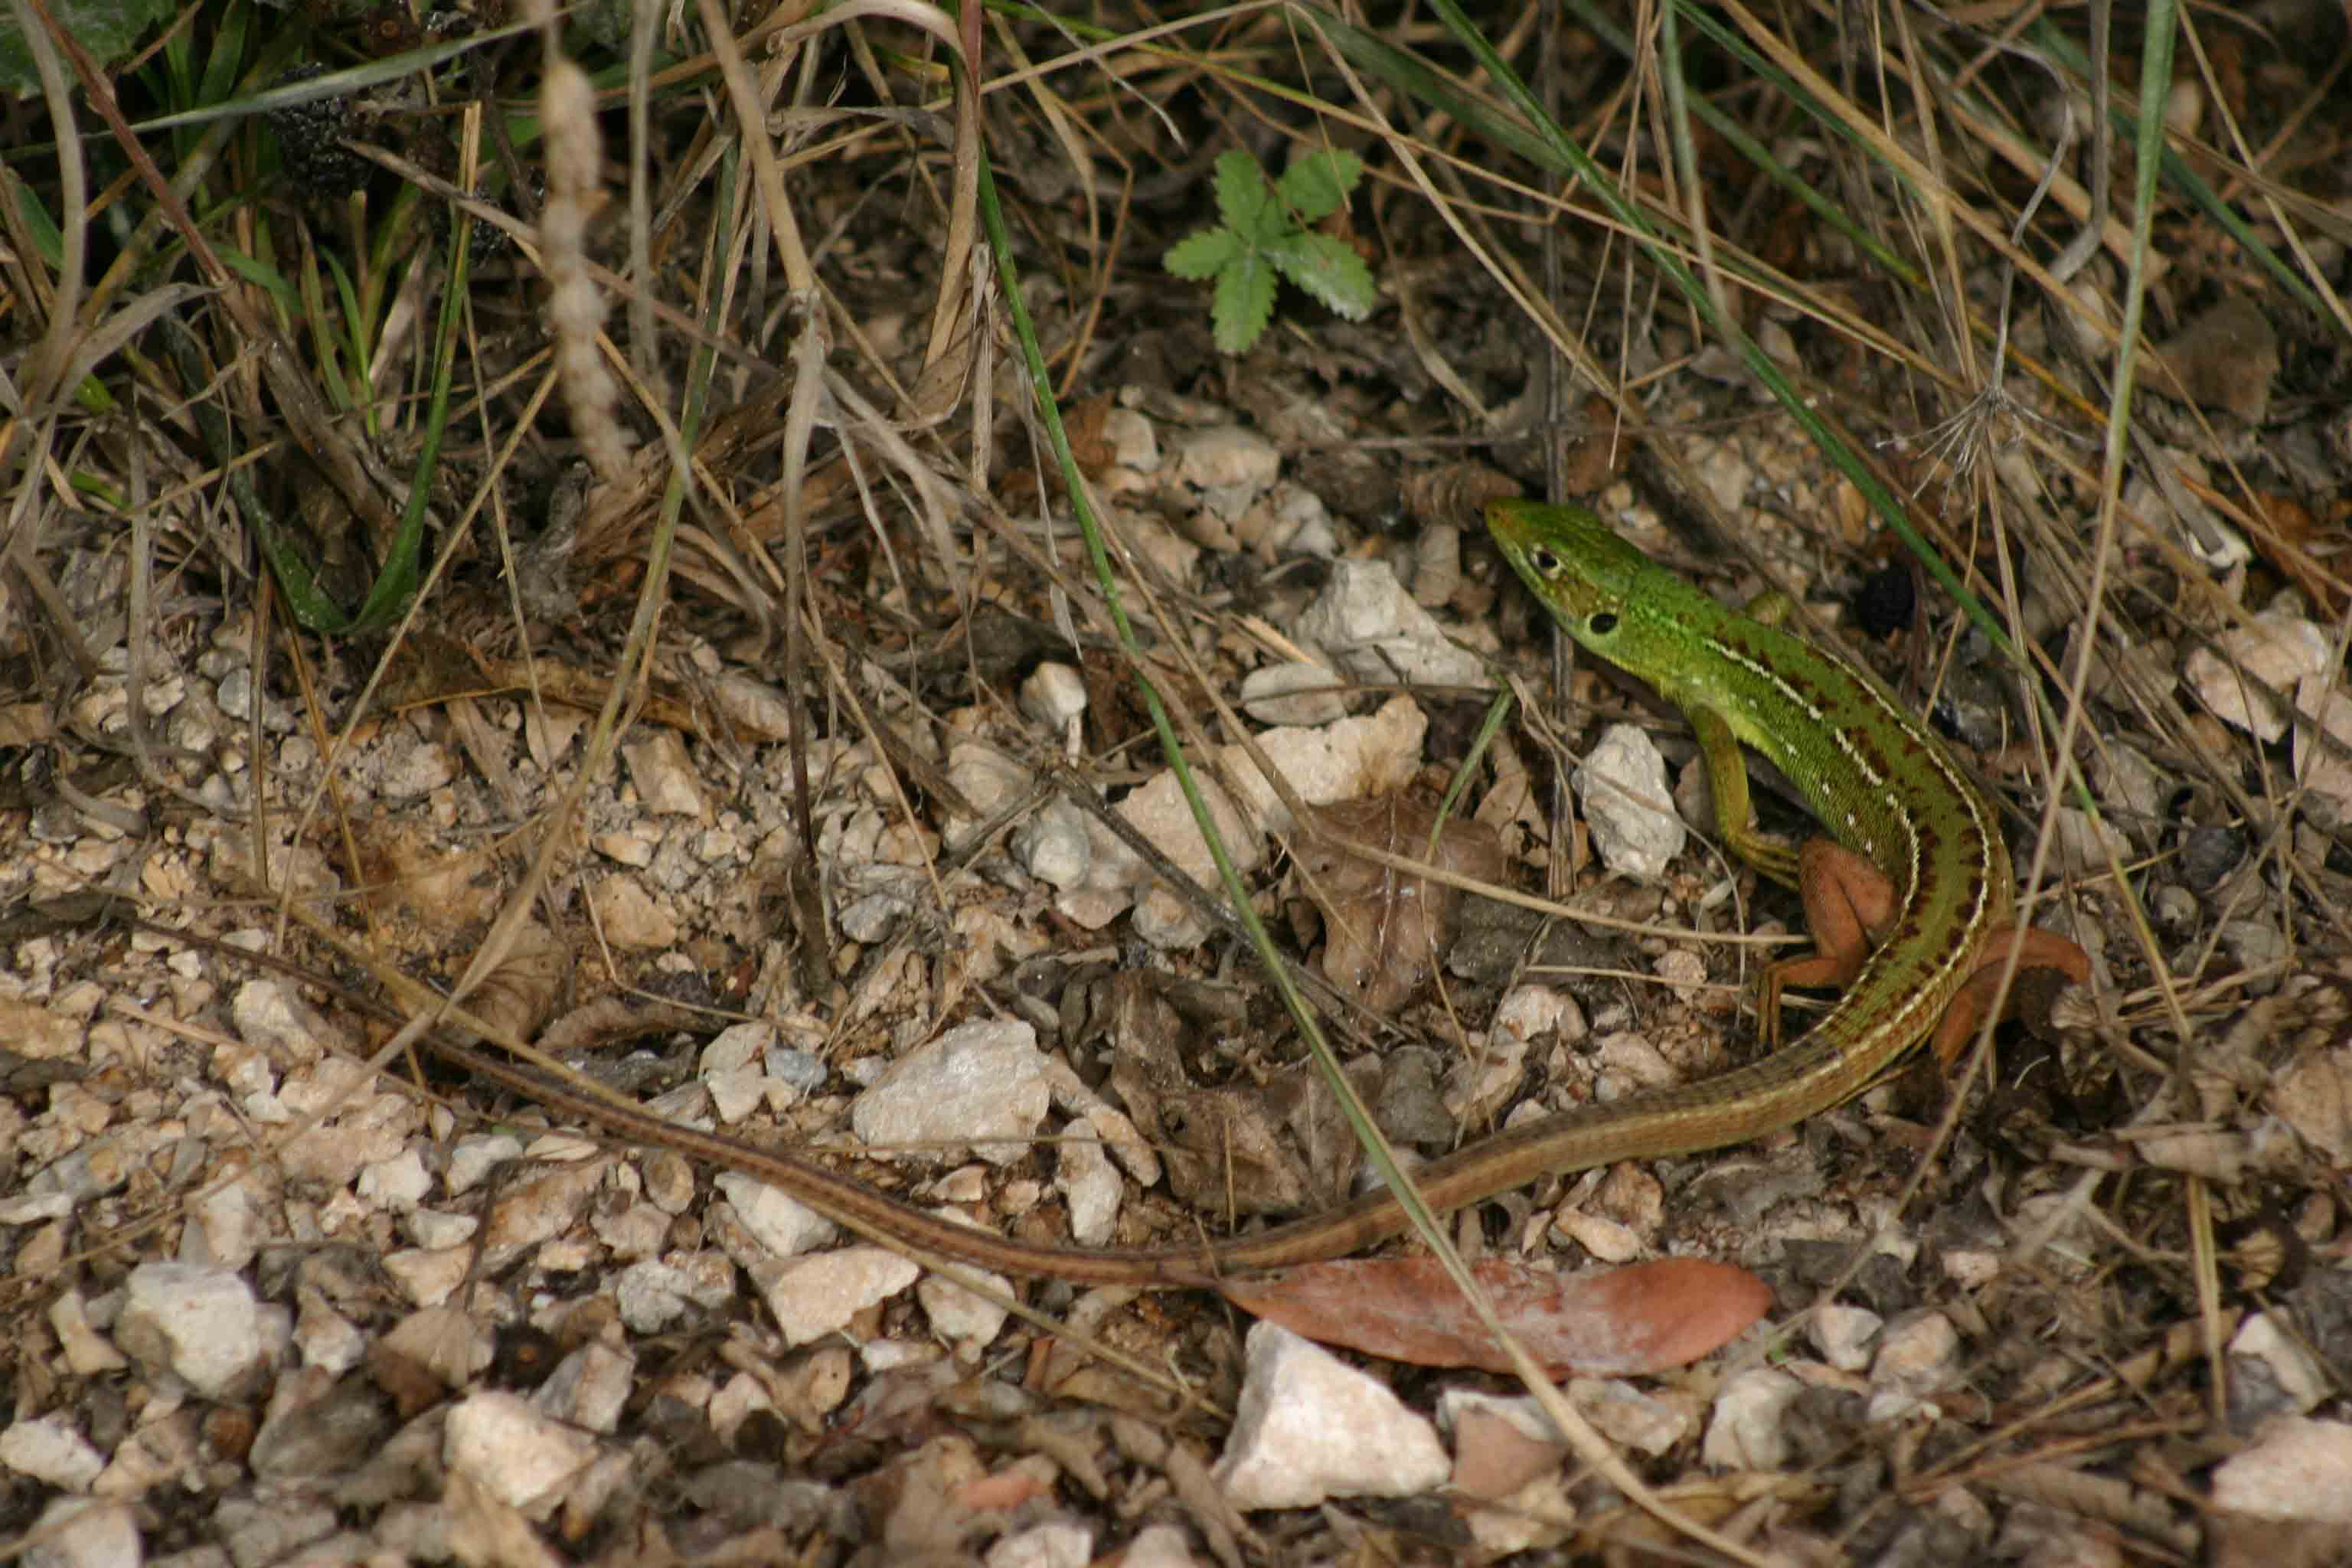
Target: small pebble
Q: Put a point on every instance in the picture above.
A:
(1310, 1427)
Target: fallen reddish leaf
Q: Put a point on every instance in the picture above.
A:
(1643, 1317)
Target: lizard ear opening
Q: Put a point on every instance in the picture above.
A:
(1601, 625)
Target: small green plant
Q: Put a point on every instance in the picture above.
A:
(1265, 233)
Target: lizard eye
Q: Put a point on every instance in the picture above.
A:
(1543, 561)
(1603, 624)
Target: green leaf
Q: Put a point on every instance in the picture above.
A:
(1329, 269)
(1244, 303)
(267, 276)
(227, 54)
(1202, 254)
(46, 240)
(314, 609)
(1245, 199)
(107, 29)
(1316, 185)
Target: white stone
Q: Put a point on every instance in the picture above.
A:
(326, 1339)
(228, 1227)
(1083, 1177)
(269, 1016)
(51, 1450)
(476, 1157)
(989, 780)
(735, 1095)
(778, 1221)
(87, 1353)
(1607, 1240)
(634, 1232)
(1745, 1432)
(163, 1450)
(1224, 457)
(543, 1207)
(436, 1231)
(254, 1532)
(518, 1454)
(1529, 1012)
(2296, 1468)
(417, 769)
(588, 1387)
(398, 1184)
(428, 1278)
(1843, 1334)
(1054, 845)
(664, 776)
(2082, 843)
(2318, 766)
(1724, 472)
(1302, 692)
(1919, 1355)
(1345, 761)
(1159, 1546)
(74, 1533)
(1626, 1415)
(630, 917)
(1054, 695)
(2286, 1358)
(626, 846)
(652, 1295)
(982, 1082)
(1057, 1543)
(737, 1047)
(1134, 440)
(34, 1208)
(1525, 1415)
(1309, 1427)
(739, 1399)
(90, 1171)
(957, 1315)
(670, 1182)
(815, 1295)
(1372, 629)
(1158, 811)
(199, 1322)
(1628, 806)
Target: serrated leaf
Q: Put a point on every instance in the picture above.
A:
(1244, 303)
(1316, 185)
(1245, 200)
(1329, 269)
(1204, 253)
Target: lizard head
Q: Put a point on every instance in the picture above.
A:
(1604, 593)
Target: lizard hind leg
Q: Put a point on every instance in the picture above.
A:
(2044, 950)
(1850, 905)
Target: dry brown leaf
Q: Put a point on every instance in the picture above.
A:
(2300, 546)
(1596, 458)
(519, 993)
(1088, 444)
(1641, 1319)
(1385, 931)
